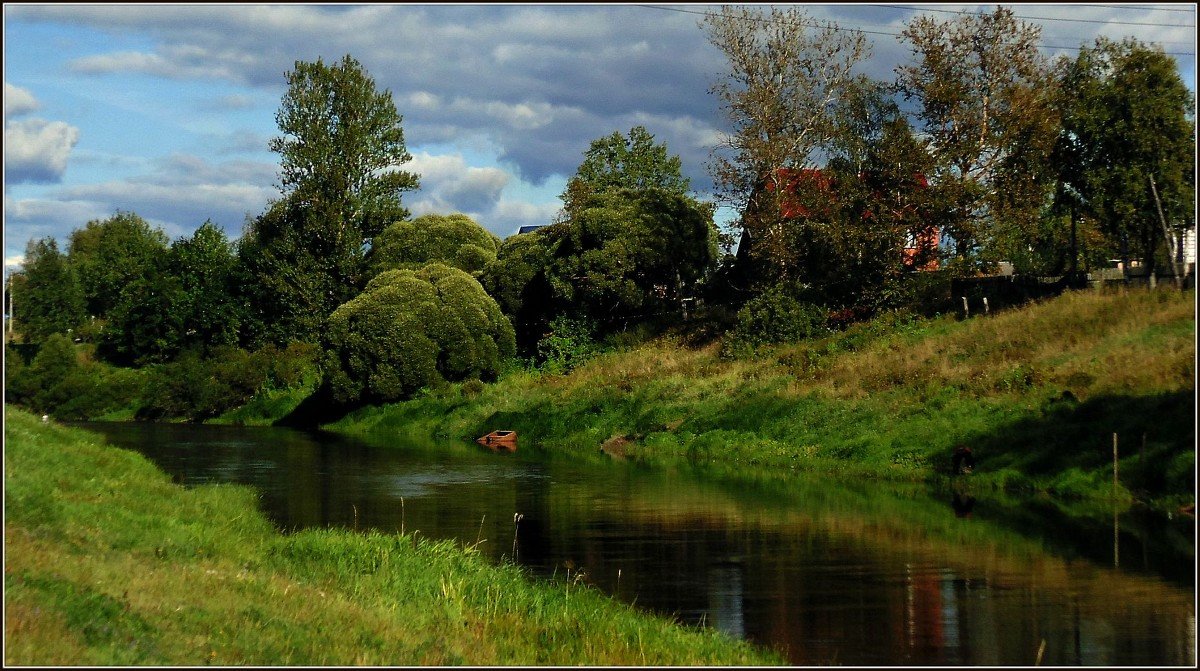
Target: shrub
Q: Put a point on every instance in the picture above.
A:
(568, 344)
(774, 316)
(413, 329)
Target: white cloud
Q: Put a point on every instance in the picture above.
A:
(18, 101)
(36, 150)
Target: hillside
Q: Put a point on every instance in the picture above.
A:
(1037, 393)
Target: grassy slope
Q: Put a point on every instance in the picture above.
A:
(107, 562)
(1037, 393)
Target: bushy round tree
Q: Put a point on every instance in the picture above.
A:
(414, 328)
(455, 240)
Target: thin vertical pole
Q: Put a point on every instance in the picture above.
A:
(1166, 235)
(1114, 466)
(1116, 523)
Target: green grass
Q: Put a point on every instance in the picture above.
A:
(1037, 392)
(109, 563)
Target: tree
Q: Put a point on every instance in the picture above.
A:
(146, 325)
(786, 72)
(340, 154)
(288, 288)
(1128, 131)
(49, 299)
(518, 280)
(410, 329)
(205, 265)
(984, 98)
(109, 254)
(455, 240)
(846, 226)
(341, 149)
(635, 162)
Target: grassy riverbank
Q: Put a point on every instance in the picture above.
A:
(1037, 392)
(109, 563)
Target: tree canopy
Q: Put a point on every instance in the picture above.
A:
(984, 96)
(410, 329)
(1127, 122)
(786, 71)
(619, 256)
(46, 294)
(111, 253)
(341, 152)
(455, 240)
(635, 162)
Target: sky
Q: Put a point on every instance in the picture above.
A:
(166, 110)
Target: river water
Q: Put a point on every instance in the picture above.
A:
(861, 574)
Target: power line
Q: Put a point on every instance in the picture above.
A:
(1142, 8)
(872, 32)
(1039, 18)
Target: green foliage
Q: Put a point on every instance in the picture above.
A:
(985, 98)
(570, 343)
(615, 162)
(413, 329)
(775, 316)
(518, 280)
(454, 240)
(620, 257)
(196, 387)
(340, 151)
(1127, 120)
(39, 386)
(290, 283)
(210, 313)
(785, 71)
(46, 295)
(145, 325)
(110, 254)
(341, 146)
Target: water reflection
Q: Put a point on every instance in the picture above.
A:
(857, 575)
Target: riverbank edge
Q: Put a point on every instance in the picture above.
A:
(108, 562)
(1026, 415)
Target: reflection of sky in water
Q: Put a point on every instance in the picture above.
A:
(429, 479)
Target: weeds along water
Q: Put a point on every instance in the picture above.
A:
(109, 563)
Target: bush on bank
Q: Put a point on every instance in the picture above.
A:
(413, 329)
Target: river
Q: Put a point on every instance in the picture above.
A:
(860, 574)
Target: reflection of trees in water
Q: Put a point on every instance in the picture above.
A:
(828, 575)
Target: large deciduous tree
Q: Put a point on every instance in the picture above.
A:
(615, 161)
(620, 257)
(1128, 131)
(984, 97)
(341, 149)
(786, 72)
(47, 299)
(110, 254)
(341, 152)
(206, 266)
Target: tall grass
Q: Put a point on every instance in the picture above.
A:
(109, 563)
(1036, 391)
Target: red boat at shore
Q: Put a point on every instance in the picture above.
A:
(499, 440)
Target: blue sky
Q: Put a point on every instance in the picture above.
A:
(166, 110)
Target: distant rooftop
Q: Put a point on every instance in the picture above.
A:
(529, 229)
